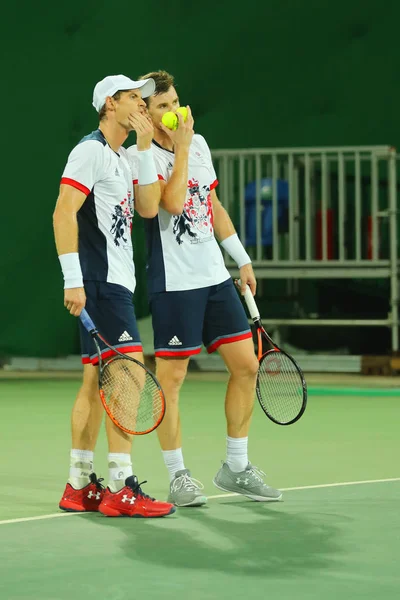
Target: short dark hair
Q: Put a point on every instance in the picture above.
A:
(163, 81)
(103, 110)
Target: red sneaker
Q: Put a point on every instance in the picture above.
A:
(132, 502)
(85, 500)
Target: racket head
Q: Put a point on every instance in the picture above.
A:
(281, 388)
(131, 395)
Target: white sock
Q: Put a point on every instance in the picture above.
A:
(80, 467)
(236, 453)
(119, 468)
(173, 461)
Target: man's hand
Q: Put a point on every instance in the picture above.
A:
(75, 300)
(247, 277)
(181, 137)
(142, 124)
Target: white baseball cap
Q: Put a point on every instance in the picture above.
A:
(115, 83)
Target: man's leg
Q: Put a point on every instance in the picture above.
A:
(226, 328)
(119, 449)
(83, 492)
(87, 413)
(124, 497)
(184, 490)
(242, 365)
(86, 418)
(237, 474)
(171, 373)
(177, 324)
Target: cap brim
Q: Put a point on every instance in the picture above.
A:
(147, 87)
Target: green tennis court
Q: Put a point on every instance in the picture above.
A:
(332, 537)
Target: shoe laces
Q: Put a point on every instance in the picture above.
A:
(96, 481)
(187, 483)
(137, 490)
(257, 474)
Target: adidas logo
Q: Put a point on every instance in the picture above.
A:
(175, 341)
(124, 337)
(116, 172)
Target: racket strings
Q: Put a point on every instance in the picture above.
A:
(280, 387)
(131, 395)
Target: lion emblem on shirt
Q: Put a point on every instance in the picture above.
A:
(196, 219)
(122, 221)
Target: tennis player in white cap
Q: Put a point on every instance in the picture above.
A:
(92, 226)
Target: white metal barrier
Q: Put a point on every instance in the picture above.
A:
(309, 213)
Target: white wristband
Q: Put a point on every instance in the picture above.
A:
(147, 168)
(71, 268)
(235, 249)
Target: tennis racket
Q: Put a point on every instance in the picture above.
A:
(130, 393)
(281, 388)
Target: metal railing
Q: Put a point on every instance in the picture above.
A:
(309, 213)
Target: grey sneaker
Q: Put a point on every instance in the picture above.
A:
(186, 491)
(248, 482)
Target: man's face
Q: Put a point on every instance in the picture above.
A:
(162, 103)
(129, 103)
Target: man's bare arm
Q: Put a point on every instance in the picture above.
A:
(226, 233)
(173, 192)
(65, 224)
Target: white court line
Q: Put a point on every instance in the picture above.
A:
(315, 487)
(291, 489)
(51, 516)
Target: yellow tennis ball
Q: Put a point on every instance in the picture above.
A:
(170, 120)
(184, 112)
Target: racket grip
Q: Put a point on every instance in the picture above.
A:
(251, 303)
(87, 321)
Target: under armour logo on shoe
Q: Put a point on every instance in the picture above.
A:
(175, 341)
(239, 481)
(126, 498)
(124, 337)
(96, 495)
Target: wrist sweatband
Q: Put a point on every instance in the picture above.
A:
(147, 168)
(71, 268)
(235, 249)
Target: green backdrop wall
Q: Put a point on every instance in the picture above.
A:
(260, 73)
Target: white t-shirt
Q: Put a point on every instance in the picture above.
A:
(183, 253)
(105, 218)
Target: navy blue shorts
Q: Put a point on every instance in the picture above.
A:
(184, 321)
(111, 309)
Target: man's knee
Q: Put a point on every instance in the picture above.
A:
(172, 372)
(90, 383)
(246, 367)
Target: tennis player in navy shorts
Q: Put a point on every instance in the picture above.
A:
(193, 300)
(92, 226)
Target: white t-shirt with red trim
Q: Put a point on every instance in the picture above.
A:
(105, 218)
(183, 253)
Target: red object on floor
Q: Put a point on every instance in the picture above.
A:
(132, 502)
(87, 499)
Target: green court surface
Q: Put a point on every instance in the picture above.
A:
(335, 535)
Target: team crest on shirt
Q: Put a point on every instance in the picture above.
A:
(122, 220)
(196, 220)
